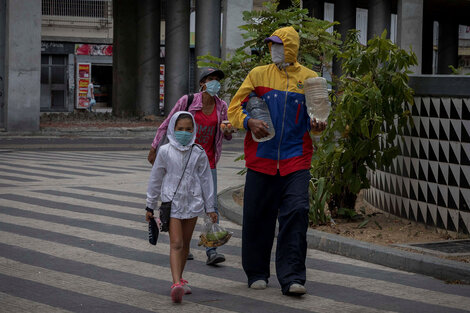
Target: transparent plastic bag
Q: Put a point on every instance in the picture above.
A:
(213, 235)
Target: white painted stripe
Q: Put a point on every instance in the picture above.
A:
(84, 202)
(103, 290)
(87, 216)
(12, 304)
(34, 174)
(272, 295)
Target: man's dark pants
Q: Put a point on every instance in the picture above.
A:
(267, 197)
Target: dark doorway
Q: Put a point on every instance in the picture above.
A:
(103, 77)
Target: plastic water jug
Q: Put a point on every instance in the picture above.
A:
(316, 96)
(258, 109)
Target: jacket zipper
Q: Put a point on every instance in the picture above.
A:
(283, 120)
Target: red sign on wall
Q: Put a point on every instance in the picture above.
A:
(87, 49)
(83, 80)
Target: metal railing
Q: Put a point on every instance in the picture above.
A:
(77, 13)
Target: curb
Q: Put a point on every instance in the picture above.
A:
(402, 260)
(228, 207)
(83, 132)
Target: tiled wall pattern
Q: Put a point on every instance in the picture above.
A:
(430, 181)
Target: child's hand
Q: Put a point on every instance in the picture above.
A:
(213, 217)
(148, 216)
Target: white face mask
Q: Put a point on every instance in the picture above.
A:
(277, 53)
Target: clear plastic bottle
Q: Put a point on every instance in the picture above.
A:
(258, 109)
(316, 96)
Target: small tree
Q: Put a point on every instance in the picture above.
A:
(368, 115)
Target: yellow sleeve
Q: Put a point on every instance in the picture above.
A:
(237, 114)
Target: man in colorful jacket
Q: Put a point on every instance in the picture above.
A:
(278, 169)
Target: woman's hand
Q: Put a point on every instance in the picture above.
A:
(148, 216)
(258, 127)
(152, 155)
(213, 216)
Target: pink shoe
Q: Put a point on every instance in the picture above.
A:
(187, 289)
(177, 292)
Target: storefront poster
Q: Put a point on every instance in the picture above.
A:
(83, 80)
(87, 49)
(162, 86)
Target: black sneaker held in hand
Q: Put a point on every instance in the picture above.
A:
(153, 232)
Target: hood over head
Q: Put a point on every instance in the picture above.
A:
(290, 40)
(170, 133)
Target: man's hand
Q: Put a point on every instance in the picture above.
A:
(152, 155)
(317, 126)
(258, 128)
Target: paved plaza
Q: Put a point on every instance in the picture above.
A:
(73, 239)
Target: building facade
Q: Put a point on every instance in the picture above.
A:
(76, 48)
(117, 43)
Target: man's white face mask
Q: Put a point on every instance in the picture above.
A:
(277, 53)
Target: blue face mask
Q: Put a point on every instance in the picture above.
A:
(212, 87)
(183, 137)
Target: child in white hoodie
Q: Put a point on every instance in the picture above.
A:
(191, 197)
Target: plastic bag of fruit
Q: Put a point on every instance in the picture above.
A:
(213, 235)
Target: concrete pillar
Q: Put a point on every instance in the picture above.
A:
(207, 30)
(345, 13)
(428, 47)
(232, 35)
(379, 17)
(148, 57)
(176, 52)
(22, 65)
(316, 8)
(410, 28)
(447, 49)
(3, 6)
(124, 57)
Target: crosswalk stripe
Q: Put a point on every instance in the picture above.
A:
(92, 198)
(85, 206)
(108, 192)
(31, 173)
(197, 280)
(12, 304)
(95, 288)
(41, 169)
(17, 178)
(95, 168)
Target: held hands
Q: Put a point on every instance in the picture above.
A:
(213, 217)
(317, 126)
(258, 127)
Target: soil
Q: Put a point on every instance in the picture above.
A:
(383, 228)
(86, 119)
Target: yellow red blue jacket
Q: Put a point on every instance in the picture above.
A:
(291, 148)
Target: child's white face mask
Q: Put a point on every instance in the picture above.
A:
(277, 53)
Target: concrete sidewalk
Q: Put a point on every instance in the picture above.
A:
(407, 261)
